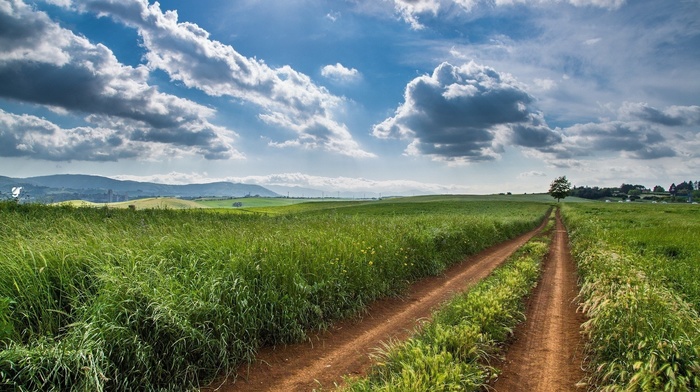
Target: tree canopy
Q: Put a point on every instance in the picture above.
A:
(559, 188)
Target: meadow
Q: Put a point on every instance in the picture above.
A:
(95, 299)
(638, 267)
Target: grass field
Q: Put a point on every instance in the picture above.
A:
(264, 202)
(271, 204)
(639, 265)
(95, 299)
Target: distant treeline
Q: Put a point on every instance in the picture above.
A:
(683, 189)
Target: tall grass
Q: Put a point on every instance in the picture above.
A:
(644, 327)
(102, 299)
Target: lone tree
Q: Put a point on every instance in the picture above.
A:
(560, 188)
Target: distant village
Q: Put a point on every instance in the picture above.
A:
(686, 191)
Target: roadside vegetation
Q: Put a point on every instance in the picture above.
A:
(638, 265)
(452, 351)
(95, 299)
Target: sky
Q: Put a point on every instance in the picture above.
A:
(384, 96)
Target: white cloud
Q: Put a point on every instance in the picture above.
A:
(37, 138)
(640, 134)
(184, 51)
(609, 4)
(60, 3)
(43, 63)
(333, 16)
(340, 73)
(412, 10)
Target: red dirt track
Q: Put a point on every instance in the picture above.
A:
(344, 349)
(547, 352)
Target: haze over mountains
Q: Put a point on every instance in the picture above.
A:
(63, 187)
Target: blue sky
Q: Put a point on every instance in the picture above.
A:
(392, 96)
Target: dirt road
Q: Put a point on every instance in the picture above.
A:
(547, 351)
(344, 349)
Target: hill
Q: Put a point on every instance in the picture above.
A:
(56, 188)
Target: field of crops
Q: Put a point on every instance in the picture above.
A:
(105, 299)
(640, 271)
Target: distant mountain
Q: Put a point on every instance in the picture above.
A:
(102, 189)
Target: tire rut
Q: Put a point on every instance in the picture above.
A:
(546, 354)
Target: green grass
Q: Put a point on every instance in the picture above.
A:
(162, 299)
(452, 351)
(257, 202)
(639, 266)
(147, 203)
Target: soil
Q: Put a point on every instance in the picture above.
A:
(346, 348)
(547, 351)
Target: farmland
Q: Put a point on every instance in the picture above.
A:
(639, 274)
(106, 299)
(114, 299)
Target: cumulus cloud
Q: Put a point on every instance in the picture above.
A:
(186, 52)
(340, 73)
(466, 114)
(581, 143)
(640, 132)
(470, 113)
(31, 136)
(636, 140)
(43, 63)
